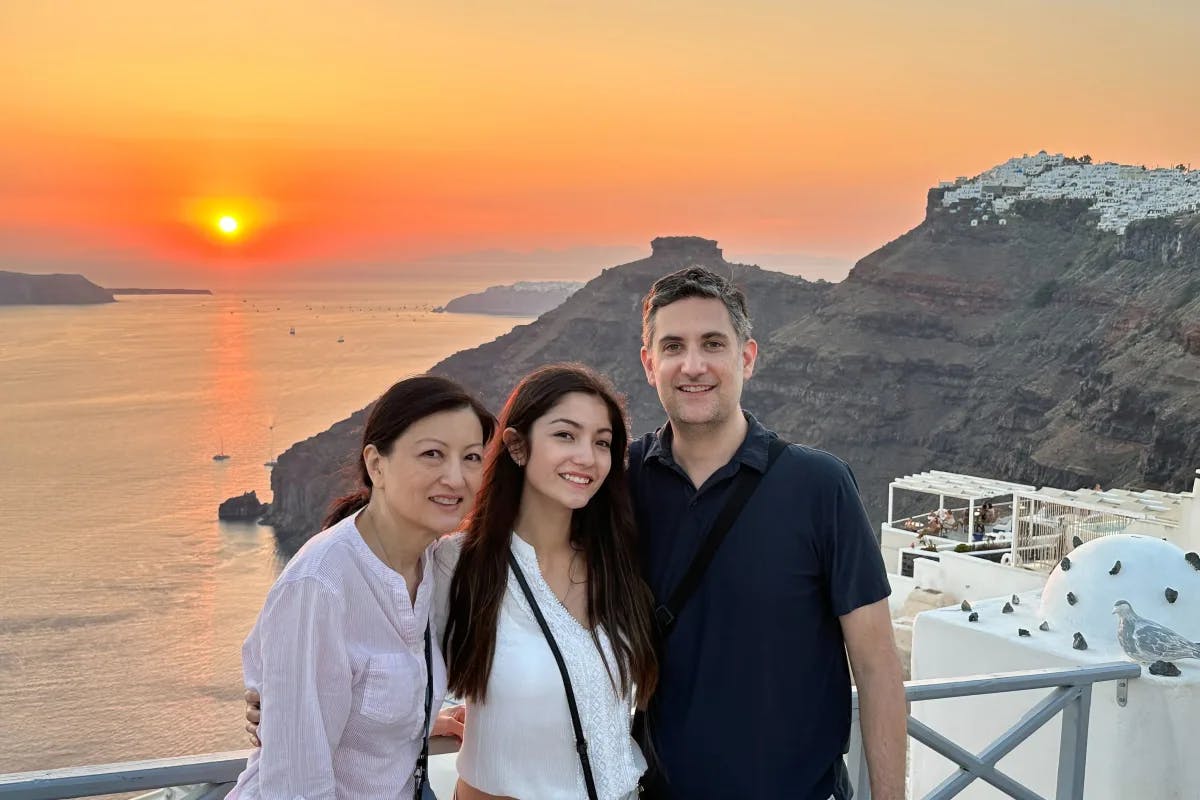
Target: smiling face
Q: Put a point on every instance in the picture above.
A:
(567, 453)
(696, 362)
(428, 480)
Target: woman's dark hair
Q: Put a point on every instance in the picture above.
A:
(604, 530)
(406, 403)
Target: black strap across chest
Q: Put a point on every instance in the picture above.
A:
(580, 741)
(744, 484)
(421, 773)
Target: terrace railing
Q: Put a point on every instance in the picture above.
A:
(211, 776)
(1070, 695)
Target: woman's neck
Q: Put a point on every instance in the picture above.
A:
(543, 523)
(397, 545)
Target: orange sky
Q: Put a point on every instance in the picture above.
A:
(380, 132)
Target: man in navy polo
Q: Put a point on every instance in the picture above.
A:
(754, 692)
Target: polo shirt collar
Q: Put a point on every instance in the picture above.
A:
(752, 451)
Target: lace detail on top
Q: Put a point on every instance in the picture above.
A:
(605, 716)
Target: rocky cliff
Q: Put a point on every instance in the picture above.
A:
(19, 289)
(1041, 350)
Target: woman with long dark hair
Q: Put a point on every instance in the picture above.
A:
(548, 558)
(342, 653)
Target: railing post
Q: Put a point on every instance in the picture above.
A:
(856, 755)
(1072, 747)
(862, 783)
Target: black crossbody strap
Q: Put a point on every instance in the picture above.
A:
(421, 773)
(580, 741)
(743, 488)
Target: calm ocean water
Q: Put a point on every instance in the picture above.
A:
(123, 601)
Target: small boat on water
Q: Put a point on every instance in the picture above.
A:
(341, 339)
(292, 331)
(270, 462)
(222, 455)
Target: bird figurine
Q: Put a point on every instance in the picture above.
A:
(1146, 641)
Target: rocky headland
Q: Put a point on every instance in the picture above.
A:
(134, 291)
(243, 508)
(522, 299)
(22, 289)
(1043, 350)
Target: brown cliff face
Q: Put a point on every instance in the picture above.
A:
(1042, 351)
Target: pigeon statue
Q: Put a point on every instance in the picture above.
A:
(1145, 641)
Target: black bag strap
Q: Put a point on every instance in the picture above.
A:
(421, 773)
(580, 741)
(739, 494)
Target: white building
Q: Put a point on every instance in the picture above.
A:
(1140, 742)
(1120, 193)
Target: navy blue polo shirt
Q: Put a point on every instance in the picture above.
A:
(754, 694)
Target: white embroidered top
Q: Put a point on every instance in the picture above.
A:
(520, 742)
(338, 655)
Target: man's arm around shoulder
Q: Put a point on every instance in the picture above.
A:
(883, 712)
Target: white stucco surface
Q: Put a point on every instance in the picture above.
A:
(1143, 750)
(972, 577)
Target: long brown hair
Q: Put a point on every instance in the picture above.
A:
(604, 530)
(399, 408)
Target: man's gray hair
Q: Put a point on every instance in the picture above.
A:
(695, 282)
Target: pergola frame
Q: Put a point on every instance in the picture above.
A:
(971, 488)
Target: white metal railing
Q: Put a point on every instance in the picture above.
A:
(212, 775)
(1044, 530)
(1071, 694)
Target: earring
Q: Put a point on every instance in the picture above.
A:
(520, 461)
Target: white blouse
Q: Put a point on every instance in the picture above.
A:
(338, 655)
(520, 742)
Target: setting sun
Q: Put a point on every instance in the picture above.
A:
(233, 221)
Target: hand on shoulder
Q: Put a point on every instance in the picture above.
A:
(446, 551)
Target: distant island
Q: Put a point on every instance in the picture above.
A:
(22, 289)
(161, 291)
(522, 299)
(27, 289)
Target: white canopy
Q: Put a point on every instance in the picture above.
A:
(952, 484)
(971, 488)
(1164, 508)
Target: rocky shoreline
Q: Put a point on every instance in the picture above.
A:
(243, 508)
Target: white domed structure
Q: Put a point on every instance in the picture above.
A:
(1148, 567)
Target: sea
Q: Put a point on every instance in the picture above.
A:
(123, 600)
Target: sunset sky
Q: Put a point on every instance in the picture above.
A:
(372, 134)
